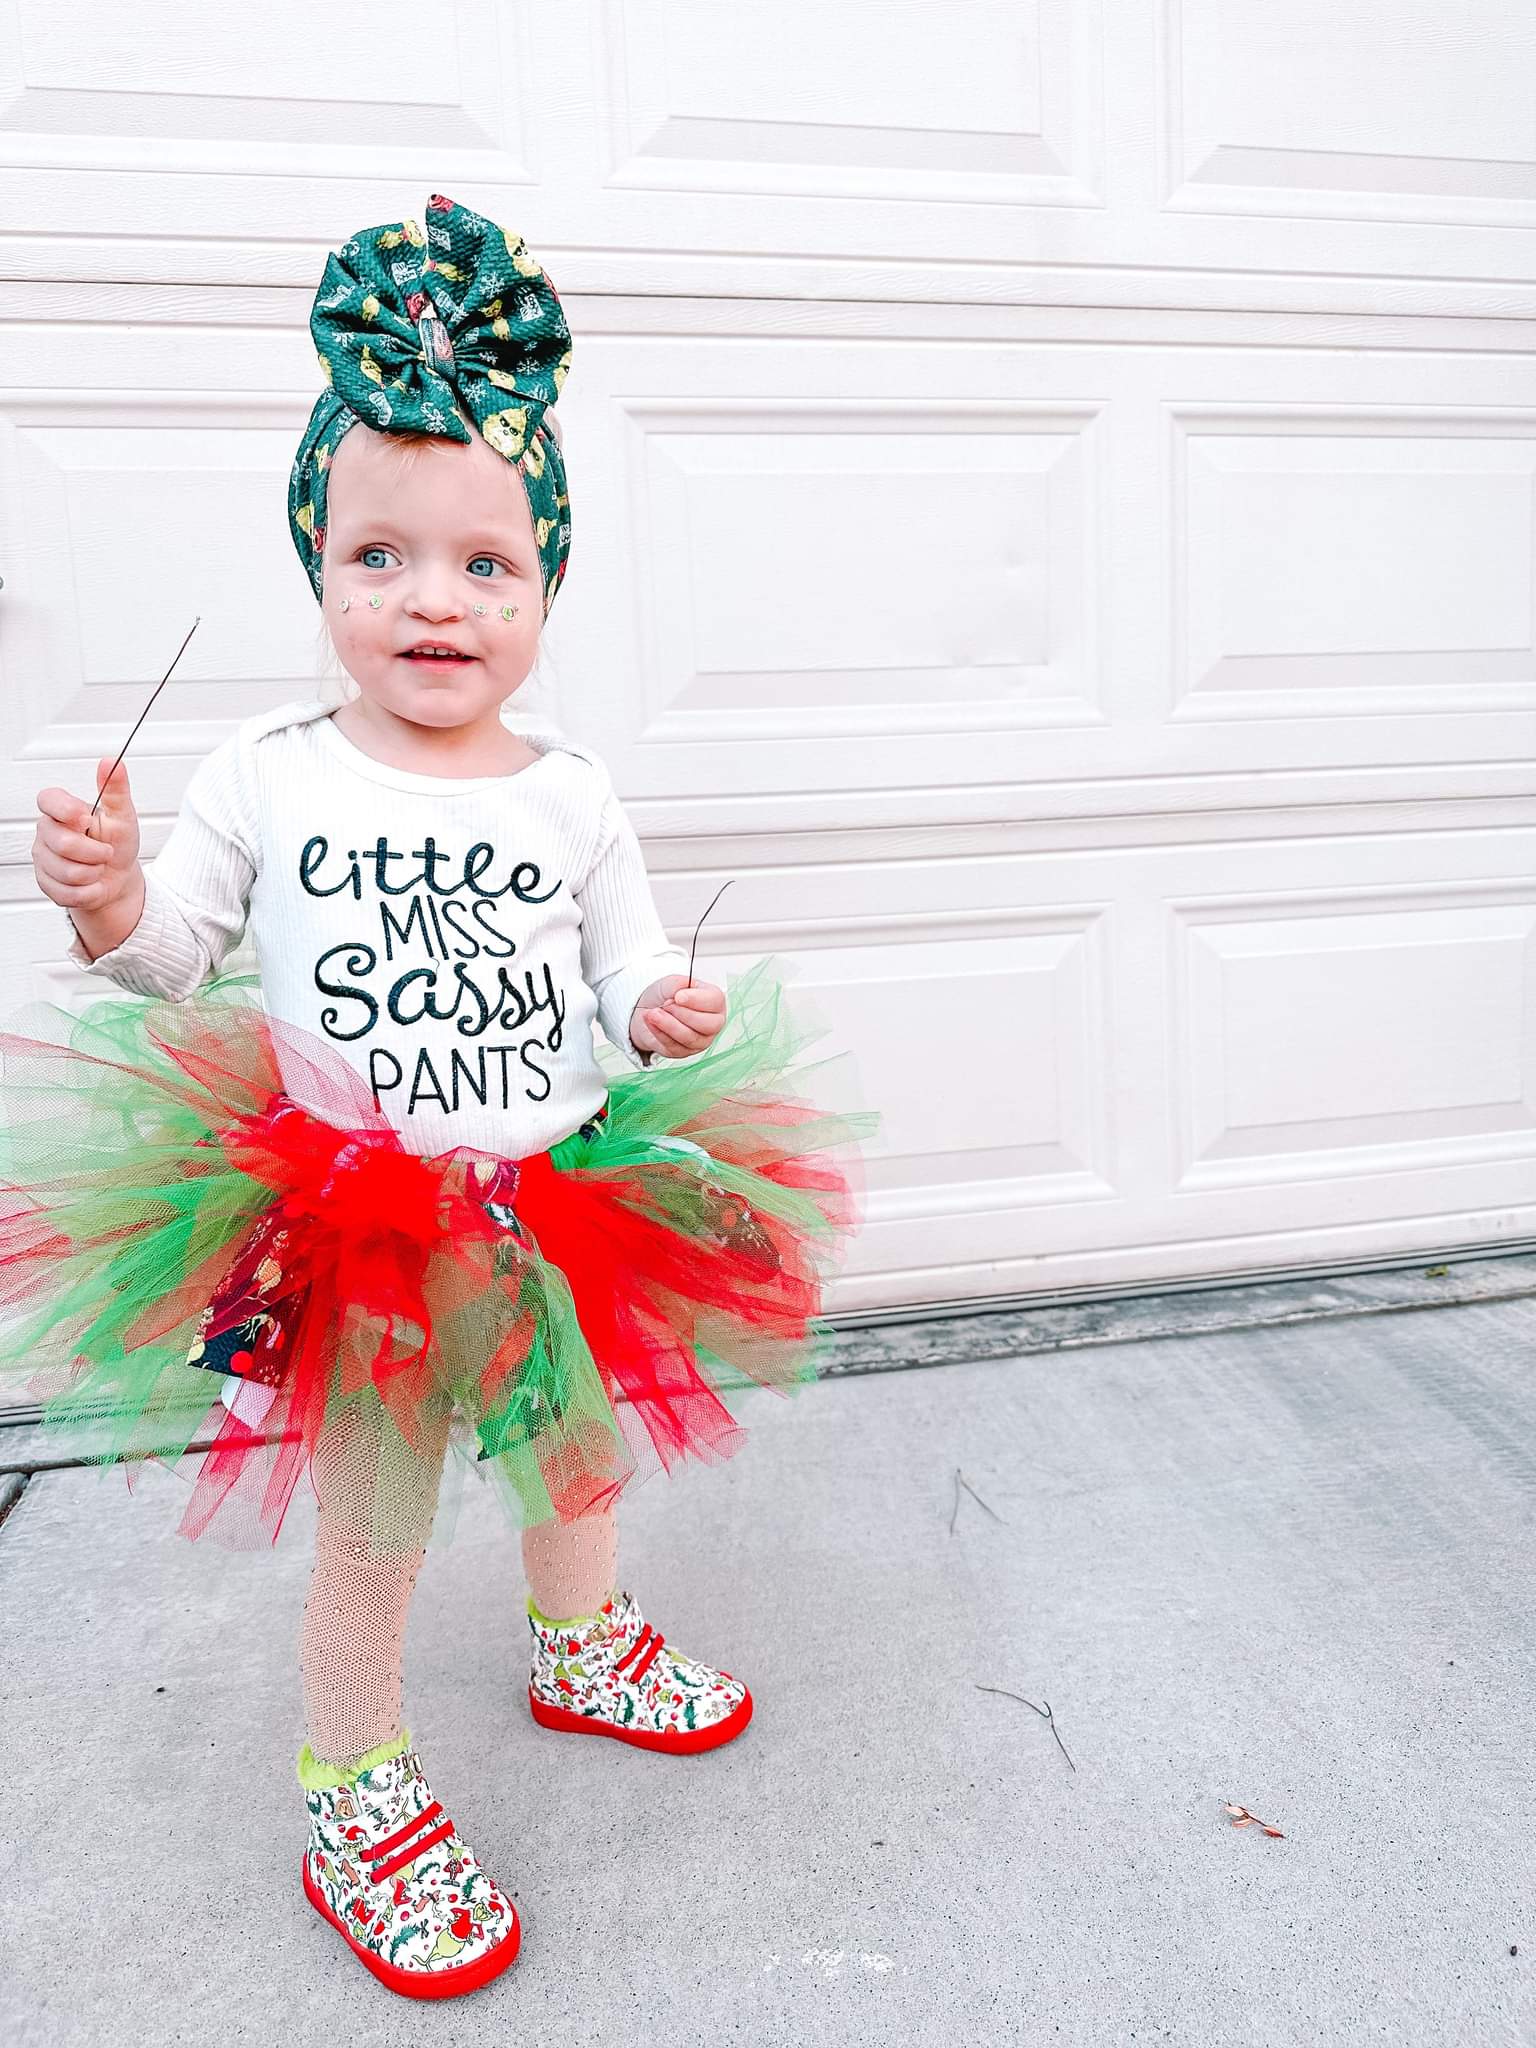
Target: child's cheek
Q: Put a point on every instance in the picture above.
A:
(359, 638)
(522, 636)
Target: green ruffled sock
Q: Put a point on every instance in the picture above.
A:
(316, 1775)
(565, 1620)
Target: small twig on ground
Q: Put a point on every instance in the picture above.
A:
(1242, 1818)
(1044, 1712)
(961, 1480)
(975, 1496)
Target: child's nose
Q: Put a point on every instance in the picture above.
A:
(435, 594)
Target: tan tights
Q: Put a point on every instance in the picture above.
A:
(377, 1501)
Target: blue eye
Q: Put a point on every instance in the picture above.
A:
(368, 555)
(483, 565)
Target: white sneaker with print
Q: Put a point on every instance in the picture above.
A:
(611, 1673)
(386, 1869)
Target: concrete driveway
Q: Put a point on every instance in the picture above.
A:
(1287, 1566)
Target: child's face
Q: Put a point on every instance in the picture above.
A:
(430, 544)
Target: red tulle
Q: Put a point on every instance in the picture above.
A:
(635, 1283)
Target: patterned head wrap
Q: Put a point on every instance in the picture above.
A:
(414, 331)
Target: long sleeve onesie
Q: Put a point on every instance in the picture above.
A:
(451, 940)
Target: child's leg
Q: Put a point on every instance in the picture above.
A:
(572, 1567)
(377, 1500)
(599, 1668)
(385, 1866)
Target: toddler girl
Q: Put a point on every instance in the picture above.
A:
(382, 1198)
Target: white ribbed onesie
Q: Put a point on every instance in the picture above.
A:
(452, 940)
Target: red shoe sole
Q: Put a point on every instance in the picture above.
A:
(416, 1983)
(689, 1743)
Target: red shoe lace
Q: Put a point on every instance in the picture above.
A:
(647, 1635)
(403, 1837)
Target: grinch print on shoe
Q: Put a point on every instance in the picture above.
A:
(613, 1674)
(387, 1871)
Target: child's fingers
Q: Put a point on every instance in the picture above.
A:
(699, 996)
(95, 894)
(71, 874)
(673, 1036)
(63, 809)
(63, 843)
(112, 785)
(667, 1028)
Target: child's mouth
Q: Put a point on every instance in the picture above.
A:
(437, 656)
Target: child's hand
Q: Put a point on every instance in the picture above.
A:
(90, 866)
(676, 1017)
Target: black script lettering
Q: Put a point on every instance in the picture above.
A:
(409, 1007)
(459, 1067)
(481, 913)
(454, 911)
(314, 852)
(435, 873)
(429, 857)
(425, 1071)
(359, 959)
(393, 929)
(375, 1055)
(519, 1005)
(525, 892)
(533, 1045)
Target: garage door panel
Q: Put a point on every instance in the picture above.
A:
(179, 91)
(1052, 493)
(845, 572)
(992, 102)
(983, 1038)
(1341, 1032)
(803, 580)
(119, 528)
(1353, 109)
(1127, 583)
(1306, 137)
(1376, 563)
(1098, 1063)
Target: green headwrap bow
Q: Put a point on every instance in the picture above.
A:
(414, 330)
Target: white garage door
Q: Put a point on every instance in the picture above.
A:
(1053, 496)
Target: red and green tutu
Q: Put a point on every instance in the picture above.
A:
(212, 1247)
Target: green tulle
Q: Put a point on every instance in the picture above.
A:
(133, 1212)
(102, 1143)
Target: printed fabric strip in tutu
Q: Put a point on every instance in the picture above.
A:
(193, 1184)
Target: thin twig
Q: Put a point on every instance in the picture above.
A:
(1044, 1712)
(961, 1480)
(154, 693)
(700, 926)
(975, 1496)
